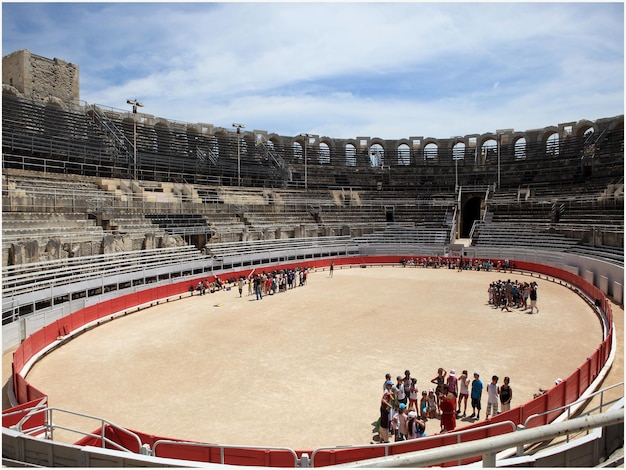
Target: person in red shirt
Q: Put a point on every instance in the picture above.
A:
(448, 409)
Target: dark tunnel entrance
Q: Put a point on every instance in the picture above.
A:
(469, 214)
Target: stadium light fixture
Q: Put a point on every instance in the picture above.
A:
(499, 142)
(238, 127)
(135, 104)
(306, 143)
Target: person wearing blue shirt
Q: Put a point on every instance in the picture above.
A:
(477, 391)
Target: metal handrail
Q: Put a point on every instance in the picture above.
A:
(569, 406)
(49, 427)
(488, 447)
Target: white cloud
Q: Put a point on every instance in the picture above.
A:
(343, 69)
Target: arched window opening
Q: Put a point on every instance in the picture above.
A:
(552, 145)
(377, 155)
(324, 156)
(489, 150)
(458, 151)
(520, 149)
(350, 154)
(298, 151)
(404, 155)
(431, 151)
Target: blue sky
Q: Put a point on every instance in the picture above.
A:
(390, 70)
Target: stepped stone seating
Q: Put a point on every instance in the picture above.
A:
(167, 192)
(525, 234)
(43, 236)
(245, 196)
(610, 254)
(33, 276)
(306, 247)
(280, 225)
(395, 235)
(180, 224)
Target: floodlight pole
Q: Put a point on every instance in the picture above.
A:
(306, 142)
(238, 127)
(499, 144)
(135, 105)
(456, 173)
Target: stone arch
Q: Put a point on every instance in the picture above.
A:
(376, 153)
(551, 142)
(350, 153)
(298, 149)
(404, 154)
(431, 150)
(487, 148)
(583, 127)
(519, 148)
(324, 153)
(458, 151)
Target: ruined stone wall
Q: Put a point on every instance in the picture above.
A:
(40, 78)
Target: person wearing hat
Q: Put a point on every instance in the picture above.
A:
(401, 423)
(398, 391)
(452, 383)
(416, 427)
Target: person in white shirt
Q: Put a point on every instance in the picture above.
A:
(493, 397)
(463, 382)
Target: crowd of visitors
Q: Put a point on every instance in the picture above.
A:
(258, 284)
(403, 416)
(273, 282)
(513, 294)
(461, 263)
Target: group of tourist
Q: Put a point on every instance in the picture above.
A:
(508, 294)
(274, 282)
(258, 284)
(460, 263)
(403, 414)
(204, 286)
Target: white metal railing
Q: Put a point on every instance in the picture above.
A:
(568, 408)
(49, 427)
(490, 446)
(487, 447)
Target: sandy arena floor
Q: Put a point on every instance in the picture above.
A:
(305, 368)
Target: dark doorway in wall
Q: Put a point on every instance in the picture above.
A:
(389, 214)
(469, 214)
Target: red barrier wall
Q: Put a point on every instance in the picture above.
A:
(566, 392)
(19, 412)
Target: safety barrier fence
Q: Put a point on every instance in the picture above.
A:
(543, 409)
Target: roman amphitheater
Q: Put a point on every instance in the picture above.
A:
(112, 356)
